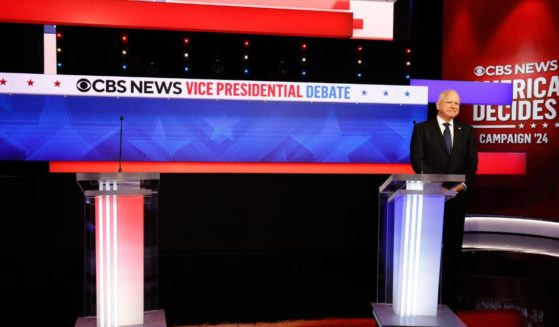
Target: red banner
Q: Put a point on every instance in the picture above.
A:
(510, 41)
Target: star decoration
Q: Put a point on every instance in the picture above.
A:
(521, 125)
(57, 84)
(545, 125)
(557, 125)
(165, 146)
(30, 82)
(3, 81)
(407, 93)
(364, 92)
(385, 93)
(533, 125)
(221, 127)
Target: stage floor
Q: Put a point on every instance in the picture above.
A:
(155, 318)
(333, 322)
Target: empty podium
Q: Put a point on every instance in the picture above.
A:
(411, 214)
(120, 250)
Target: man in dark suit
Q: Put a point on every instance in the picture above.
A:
(443, 145)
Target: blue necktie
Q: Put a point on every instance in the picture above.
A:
(447, 138)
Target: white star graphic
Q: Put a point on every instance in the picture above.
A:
(533, 125)
(521, 125)
(557, 125)
(544, 125)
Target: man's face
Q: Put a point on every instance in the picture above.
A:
(449, 106)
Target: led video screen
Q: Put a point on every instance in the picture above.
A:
(223, 121)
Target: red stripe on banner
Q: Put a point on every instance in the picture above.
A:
(174, 16)
(489, 163)
(502, 163)
(237, 167)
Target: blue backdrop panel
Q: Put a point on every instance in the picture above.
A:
(82, 128)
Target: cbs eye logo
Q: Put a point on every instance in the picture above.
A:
(479, 71)
(83, 85)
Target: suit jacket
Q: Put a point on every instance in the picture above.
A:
(428, 153)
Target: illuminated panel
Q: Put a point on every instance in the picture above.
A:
(501, 163)
(377, 20)
(49, 49)
(373, 20)
(511, 234)
(470, 92)
(511, 243)
(315, 18)
(512, 225)
(119, 257)
(418, 221)
(175, 16)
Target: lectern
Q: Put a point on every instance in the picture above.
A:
(411, 214)
(120, 250)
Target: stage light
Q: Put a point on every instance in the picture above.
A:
(217, 66)
(124, 52)
(186, 40)
(407, 51)
(359, 61)
(303, 60)
(124, 38)
(408, 63)
(359, 48)
(58, 50)
(245, 71)
(282, 67)
(359, 75)
(59, 65)
(59, 35)
(245, 57)
(408, 76)
(246, 43)
(124, 67)
(186, 69)
(186, 54)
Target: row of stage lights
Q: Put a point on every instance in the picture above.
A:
(407, 63)
(245, 58)
(59, 45)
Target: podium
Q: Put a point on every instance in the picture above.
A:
(120, 258)
(411, 215)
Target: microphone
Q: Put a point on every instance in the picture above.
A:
(120, 147)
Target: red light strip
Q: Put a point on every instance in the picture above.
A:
(236, 167)
(489, 163)
(502, 163)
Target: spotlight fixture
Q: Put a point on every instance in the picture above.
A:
(304, 59)
(359, 52)
(217, 65)
(186, 54)
(282, 67)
